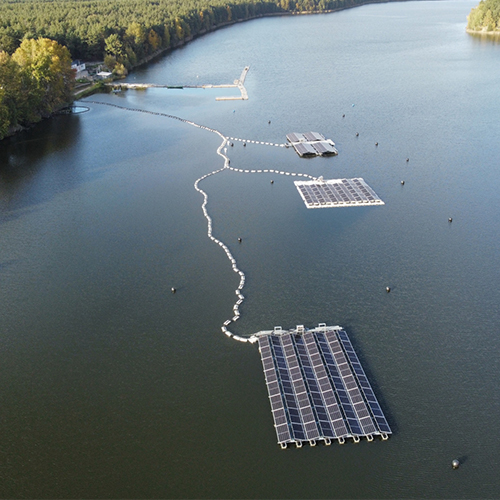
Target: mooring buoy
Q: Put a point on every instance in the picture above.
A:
(376, 144)
(402, 183)
(450, 219)
(272, 182)
(173, 290)
(343, 116)
(269, 122)
(407, 160)
(239, 239)
(245, 144)
(455, 464)
(387, 289)
(357, 134)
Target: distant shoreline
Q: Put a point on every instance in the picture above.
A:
(201, 33)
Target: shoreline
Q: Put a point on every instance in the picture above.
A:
(93, 88)
(203, 32)
(485, 33)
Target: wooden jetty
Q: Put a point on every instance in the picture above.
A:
(238, 83)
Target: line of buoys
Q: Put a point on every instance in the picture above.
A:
(251, 141)
(226, 166)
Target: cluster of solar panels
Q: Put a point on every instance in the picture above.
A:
(318, 389)
(337, 193)
(311, 144)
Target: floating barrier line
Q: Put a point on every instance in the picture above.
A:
(241, 298)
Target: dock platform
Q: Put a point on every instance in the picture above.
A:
(317, 387)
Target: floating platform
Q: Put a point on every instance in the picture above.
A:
(337, 193)
(311, 144)
(317, 387)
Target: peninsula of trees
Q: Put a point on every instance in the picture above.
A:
(34, 82)
(485, 17)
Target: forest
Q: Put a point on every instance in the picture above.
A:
(485, 17)
(129, 30)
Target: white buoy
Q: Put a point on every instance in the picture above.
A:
(450, 219)
(455, 464)
(387, 289)
(173, 290)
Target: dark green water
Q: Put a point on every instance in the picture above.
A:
(112, 387)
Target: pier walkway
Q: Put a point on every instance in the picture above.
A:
(238, 83)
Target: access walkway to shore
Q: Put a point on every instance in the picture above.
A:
(238, 83)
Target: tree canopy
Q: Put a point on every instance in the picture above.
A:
(485, 17)
(34, 82)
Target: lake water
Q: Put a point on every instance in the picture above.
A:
(112, 387)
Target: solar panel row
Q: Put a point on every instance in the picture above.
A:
(317, 388)
(376, 411)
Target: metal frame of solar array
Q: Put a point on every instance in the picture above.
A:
(337, 193)
(318, 389)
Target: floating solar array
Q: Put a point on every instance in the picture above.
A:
(317, 387)
(337, 193)
(311, 144)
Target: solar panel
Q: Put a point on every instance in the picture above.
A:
(364, 385)
(336, 193)
(304, 149)
(295, 137)
(317, 387)
(314, 136)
